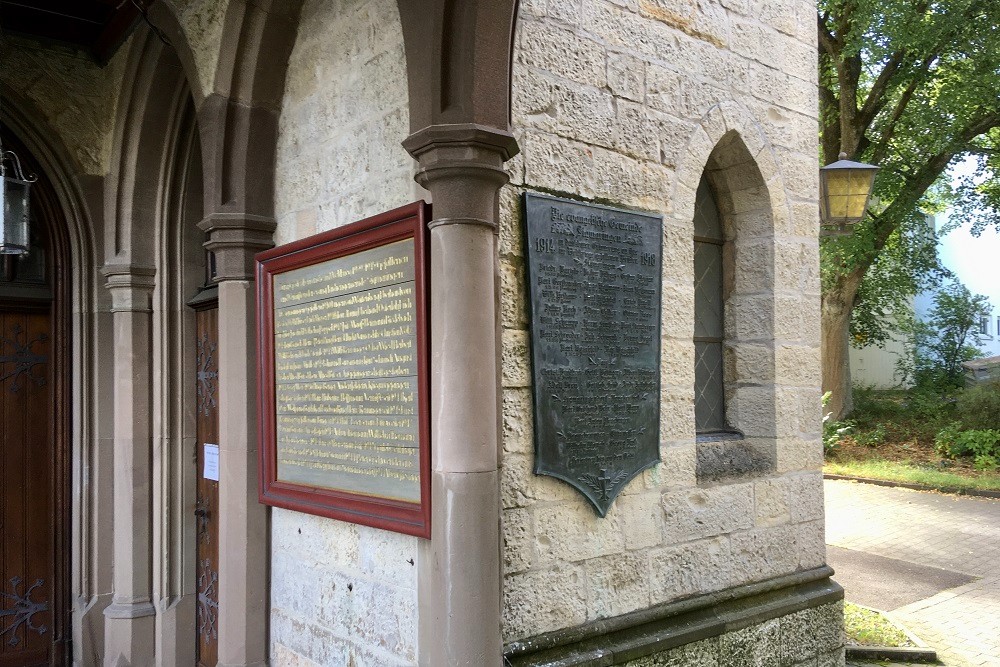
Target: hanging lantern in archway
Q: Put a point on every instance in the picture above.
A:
(845, 188)
(14, 223)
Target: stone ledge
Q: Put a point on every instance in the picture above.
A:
(646, 632)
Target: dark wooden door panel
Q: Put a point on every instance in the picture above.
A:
(27, 490)
(207, 510)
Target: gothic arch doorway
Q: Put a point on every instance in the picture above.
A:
(34, 438)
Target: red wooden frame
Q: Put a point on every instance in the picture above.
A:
(405, 517)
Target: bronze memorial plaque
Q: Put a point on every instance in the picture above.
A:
(594, 282)
(346, 387)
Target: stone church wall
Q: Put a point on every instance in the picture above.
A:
(626, 102)
(342, 593)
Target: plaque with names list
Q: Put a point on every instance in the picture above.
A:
(594, 280)
(343, 373)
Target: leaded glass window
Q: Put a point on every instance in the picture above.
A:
(709, 395)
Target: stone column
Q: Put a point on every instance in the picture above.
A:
(130, 618)
(462, 167)
(243, 527)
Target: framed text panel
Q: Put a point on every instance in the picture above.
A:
(342, 340)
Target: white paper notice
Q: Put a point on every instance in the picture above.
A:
(211, 462)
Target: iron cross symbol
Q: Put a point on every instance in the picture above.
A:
(23, 358)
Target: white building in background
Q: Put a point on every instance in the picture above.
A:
(972, 260)
(874, 367)
(969, 258)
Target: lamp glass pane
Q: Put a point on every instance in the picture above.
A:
(847, 192)
(14, 226)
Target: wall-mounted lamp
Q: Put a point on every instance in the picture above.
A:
(845, 188)
(14, 223)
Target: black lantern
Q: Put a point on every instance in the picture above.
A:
(845, 188)
(14, 224)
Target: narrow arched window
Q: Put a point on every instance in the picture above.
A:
(709, 384)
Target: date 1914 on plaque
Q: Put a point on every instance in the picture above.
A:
(594, 283)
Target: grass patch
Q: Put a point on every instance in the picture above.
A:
(891, 436)
(902, 471)
(867, 627)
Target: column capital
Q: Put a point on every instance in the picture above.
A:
(131, 286)
(466, 137)
(235, 238)
(462, 166)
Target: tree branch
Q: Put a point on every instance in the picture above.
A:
(890, 128)
(877, 97)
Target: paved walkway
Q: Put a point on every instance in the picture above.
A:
(942, 553)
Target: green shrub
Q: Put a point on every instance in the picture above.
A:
(986, 462)
(929, 405)
(872, 438)
(981, 444)
(978, 407)
(833, 431)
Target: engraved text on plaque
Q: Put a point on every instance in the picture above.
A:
(594, 282)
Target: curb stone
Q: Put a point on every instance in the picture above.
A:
(956, 490)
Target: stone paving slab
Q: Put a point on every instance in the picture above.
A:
(875, 581)
(953, 533)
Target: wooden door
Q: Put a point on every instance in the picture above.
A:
(207, 509)
(28, 512)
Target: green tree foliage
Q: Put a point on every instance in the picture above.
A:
(948, 337)
(911, 86)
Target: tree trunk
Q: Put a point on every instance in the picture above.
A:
(836, 363)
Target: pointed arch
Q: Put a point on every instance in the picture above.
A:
(729, 151)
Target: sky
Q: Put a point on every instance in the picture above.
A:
(975, 261)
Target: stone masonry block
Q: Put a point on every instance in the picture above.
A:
(562, 52)
(806, 496)
(663, 89)
(388, 557)
(751, 317)
(518, 540)
(520, 487)
(641, 520)
(518, 425)
(565, 11)
(772, 502)
(798, 636)
(798, 453)
(539, 601)
(677, 309)
(516, 366)
(677, 413)
(811, 544)
(749, 362)
(617, 584)
(626, 30)
(701, 654)
(763, 553)
(755, 646)
(558, 164)
(697, 513)
(534, 96)
(513, 294)
(573, 532)
(777, 14)
(635, 133)
(689, 569)
(797, 365)
(677, 362)
(679, 460)
(752, 410)
(583, 113)
(511, 235)
(627, 76)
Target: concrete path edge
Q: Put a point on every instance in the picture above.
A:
(957, 490)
